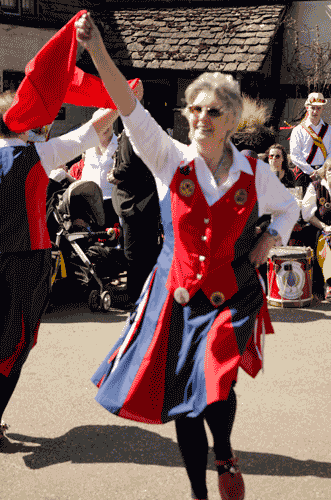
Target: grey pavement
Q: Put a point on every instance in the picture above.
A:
(73, 449)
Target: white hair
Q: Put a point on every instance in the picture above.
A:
(225, 88)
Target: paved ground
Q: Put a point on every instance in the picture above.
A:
(74, 450)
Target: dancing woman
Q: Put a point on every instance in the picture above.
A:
(195, 320)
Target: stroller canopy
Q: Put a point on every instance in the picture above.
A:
(83, 200)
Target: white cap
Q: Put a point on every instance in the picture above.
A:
(315, 99)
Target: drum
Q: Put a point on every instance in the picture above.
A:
(290, 276)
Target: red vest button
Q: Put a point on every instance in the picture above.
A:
(181, 295)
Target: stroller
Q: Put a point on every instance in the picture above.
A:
(82, 251)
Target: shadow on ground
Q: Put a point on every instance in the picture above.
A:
(79, 312)
(130, 444)
(300, 315)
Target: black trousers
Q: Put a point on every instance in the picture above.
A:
(25, 284)
(141, 248)
(193, 443)
(111, 217)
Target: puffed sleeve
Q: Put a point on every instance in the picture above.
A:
(60, 150)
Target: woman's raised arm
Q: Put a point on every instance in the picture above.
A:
(90, 38)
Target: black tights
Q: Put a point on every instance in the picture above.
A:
(193, 443)
(7, 386)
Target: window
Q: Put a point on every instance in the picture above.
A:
(12, 79)
(9, 6)
(18, 6)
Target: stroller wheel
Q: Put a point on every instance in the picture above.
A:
(94, 301)
(105, 301)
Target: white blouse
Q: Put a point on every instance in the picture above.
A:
(162, 155)
(96, 167)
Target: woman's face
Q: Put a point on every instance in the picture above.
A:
(206, 130)
(276, 159)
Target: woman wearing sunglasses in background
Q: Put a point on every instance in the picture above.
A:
(277, 159)
(179, 355)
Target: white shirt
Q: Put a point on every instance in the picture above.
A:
(309, 203)
(96, 167)
(162, 155)
(301, 144)
(60, 150)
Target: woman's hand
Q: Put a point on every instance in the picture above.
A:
(87, 33)
(259, 255)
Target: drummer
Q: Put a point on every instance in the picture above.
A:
(316, 209)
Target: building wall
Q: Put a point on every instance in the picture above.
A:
(20, 44)
(308, 15)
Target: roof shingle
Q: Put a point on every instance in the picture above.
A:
(229, 38)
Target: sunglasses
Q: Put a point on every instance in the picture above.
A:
(212, 112)
(274, 156)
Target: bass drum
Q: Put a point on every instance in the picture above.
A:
(290, 276)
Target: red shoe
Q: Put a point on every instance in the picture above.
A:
(328, 293)
(3, 428)
(230, 481)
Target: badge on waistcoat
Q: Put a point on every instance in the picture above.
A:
(322, 201)
(217, 299)
(240, 197)
(186, 188)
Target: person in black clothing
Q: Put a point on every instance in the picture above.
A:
(25, 246)
(316, 208)
(277, 159)
(136, 202)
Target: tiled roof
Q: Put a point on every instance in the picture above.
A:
(202, 38)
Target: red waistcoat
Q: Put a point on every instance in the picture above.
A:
(205, 236)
